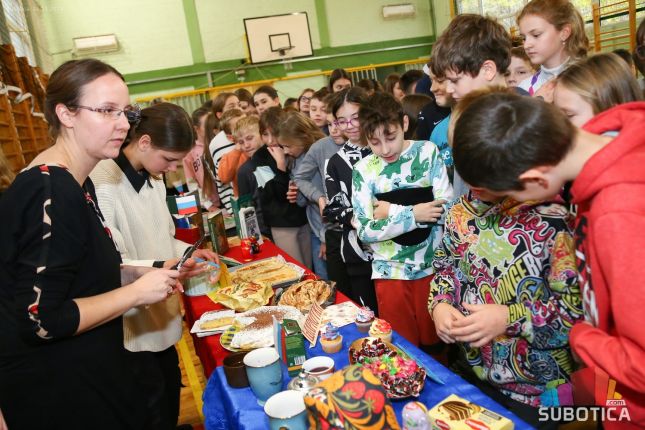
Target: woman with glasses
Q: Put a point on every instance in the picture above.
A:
(62, 287)
(132, 197)
(345, 105)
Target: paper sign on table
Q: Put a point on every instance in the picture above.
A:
(340, 315)
(312, 324)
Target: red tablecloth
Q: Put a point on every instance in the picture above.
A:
(208, 349)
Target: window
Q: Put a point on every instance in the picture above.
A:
(506, 10)
(18, 29)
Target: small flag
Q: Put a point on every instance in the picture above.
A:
(186, 205)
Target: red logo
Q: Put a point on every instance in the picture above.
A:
(477, 425)
(442, 425)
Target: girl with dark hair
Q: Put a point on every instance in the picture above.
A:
(265, 97)
(339, 80)
(246, 101)
(356, 258)
(198, 164)
(62, 287)
(133, 200)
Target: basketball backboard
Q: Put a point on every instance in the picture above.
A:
(278, 37)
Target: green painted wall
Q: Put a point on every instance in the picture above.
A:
(152, 33)
(168, 45)
(361, 21)
(223, 33)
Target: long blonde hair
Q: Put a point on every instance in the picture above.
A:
(603, 81)
(560, 13)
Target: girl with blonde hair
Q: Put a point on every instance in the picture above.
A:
(554, 35)
(594, 85)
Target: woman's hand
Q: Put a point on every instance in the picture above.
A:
(428, 212)
(280, 158)
(191, 267)
(156, 285)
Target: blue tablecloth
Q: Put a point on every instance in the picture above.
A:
(227, 408)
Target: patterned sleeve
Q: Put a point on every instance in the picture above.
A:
(45, 213)
(339, 209)
(546, 321)
(400, 219)
(445, 284)
(441, 187)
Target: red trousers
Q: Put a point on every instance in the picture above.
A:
(404, 304)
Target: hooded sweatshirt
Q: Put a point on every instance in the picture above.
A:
(520, 255)
(610, 246)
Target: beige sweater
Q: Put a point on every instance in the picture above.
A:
(143, 231)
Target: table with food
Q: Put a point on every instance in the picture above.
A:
(286, 350)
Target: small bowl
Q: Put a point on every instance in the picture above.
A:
(235, 371)
(321, 367)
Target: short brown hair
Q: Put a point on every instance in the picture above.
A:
(299, 130)
(499, 136)
(220, 101)
(66, 85)
(225, 120)
(271, 119)
(603, 81)
(321, 94)
(467, 43)
(380, 110)
(412, 105)
(560, 13)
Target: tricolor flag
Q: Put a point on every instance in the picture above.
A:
(186, 205)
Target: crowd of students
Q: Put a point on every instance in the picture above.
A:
(491, 204)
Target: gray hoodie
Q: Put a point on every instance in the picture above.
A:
(308, 171)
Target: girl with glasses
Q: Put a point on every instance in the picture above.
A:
(345, 106)
(132, 196)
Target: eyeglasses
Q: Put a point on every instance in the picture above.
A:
(131, 112)
(305, 99)
(344, 123)
(640, 51)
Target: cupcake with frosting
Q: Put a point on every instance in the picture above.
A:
(381, 329)
(364, 319)
(331, 340)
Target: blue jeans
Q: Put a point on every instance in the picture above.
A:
(320, 265)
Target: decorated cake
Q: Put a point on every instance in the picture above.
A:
(381, 329)
(331, 340)
(364, 319)
(400, 376)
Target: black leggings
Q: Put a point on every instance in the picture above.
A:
(159, 375)
(336, 268)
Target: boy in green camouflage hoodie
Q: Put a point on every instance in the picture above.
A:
(397, 196)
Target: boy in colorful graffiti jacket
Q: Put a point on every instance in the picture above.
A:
(506, 289)
(398, 194)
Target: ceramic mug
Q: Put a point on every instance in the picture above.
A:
(321, 367)
(264, 372)
(235, 370)
(286, 410)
